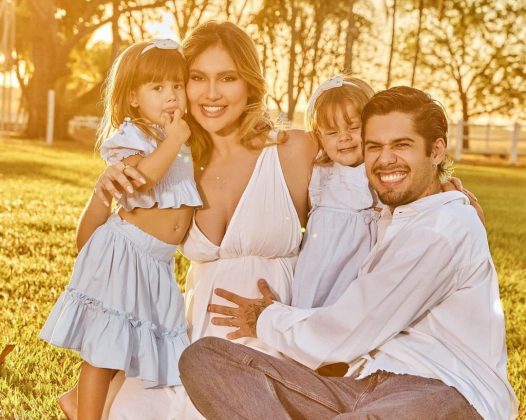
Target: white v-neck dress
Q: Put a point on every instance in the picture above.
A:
(262, 240)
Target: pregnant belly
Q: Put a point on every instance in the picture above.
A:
(238, 275)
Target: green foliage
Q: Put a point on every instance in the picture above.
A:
(42, 192)
(471, 51)
(48, 32)
(88, 69)
(311, 35)
(476, 47)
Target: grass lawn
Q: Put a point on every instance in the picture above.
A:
(42, 192)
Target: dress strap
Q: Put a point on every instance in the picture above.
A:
(272, 136)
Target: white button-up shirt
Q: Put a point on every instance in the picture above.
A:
(426, 303)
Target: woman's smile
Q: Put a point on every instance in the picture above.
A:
(213, 111)
(217, 94)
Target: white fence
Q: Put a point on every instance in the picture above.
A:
(12, 117)
(507, 141)
(84, 129)
(83, 122)
(504, 141)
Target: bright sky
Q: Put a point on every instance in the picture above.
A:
(163, 29)
(167, 29)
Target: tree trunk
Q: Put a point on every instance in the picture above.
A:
(349, 37)
(465, 118)
(417, 46)
(63, 114)
(47, 64)
(44, 78)
(292, 65)
(228, 3)
(392, 48)
(116, 38)
(49, 53)
(68, 109)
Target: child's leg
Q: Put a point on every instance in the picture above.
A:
(68, 403)
(92, 390)
(68, 400)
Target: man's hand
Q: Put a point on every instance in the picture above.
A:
(245, 315)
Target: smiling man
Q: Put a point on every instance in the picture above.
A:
(421, 328)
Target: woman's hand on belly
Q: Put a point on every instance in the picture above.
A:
(245, 315)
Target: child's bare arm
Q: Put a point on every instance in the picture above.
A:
(454, 184)
(94, 214)
(154, 166)
(111, 183)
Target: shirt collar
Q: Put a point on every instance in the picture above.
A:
(428, 202)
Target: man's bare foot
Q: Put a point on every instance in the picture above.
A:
(68, 403)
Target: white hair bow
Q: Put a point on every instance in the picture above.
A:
(333, 82)
(163, 44)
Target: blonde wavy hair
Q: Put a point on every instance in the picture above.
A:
(255, 123)
(326, 105)
(131, 69)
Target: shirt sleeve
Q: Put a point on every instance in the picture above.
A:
(128, 141)
(409, 278)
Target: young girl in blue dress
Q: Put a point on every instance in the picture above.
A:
(122, 309)
(341, 229)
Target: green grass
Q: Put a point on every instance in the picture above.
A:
(42, 192)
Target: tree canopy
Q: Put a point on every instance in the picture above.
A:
(468, 52)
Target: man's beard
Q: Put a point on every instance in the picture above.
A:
(395, 198)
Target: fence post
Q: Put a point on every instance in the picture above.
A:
(488, 127)
(50, 116)
(460, 139)
(514, 143)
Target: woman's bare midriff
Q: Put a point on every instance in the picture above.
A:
(167, 225)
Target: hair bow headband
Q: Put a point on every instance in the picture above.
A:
(163, 44)
(333, 82)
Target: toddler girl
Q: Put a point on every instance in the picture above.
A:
(122, 309)
(342, 224)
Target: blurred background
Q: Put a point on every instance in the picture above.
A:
(470, 54)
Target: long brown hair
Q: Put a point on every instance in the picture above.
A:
(255, 122)
(131, 69)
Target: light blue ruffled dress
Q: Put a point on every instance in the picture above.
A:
(122, 308)
(340, 233)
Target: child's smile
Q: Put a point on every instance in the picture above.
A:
(342, 141)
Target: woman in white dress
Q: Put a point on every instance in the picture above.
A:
(254, 185)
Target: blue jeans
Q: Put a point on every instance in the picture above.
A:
(230, 381)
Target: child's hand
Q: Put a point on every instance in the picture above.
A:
(454, 184)
(175, 128)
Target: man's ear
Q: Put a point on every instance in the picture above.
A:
(133, 99)
(439, 151)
